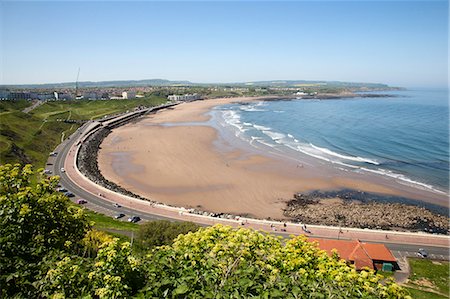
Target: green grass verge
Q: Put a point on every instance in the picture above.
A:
(103, 222)
(418, 294)
(29, 138)
(429, 275)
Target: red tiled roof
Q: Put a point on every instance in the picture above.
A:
(360, 257)
(379, 252)
(361, 254)
(343, 247)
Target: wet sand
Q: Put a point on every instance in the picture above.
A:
(185, 165)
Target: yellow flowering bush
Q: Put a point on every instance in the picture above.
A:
(34, 220)
(223, 262)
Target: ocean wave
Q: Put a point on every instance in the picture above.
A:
(253, 107)
(403, 178)
(233, 119)
(351, 158)
(274, 135)
(261, 128)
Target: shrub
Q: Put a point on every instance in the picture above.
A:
(162, 232)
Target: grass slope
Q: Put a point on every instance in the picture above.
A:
(28, 138)
(428, 279)
(103, 222)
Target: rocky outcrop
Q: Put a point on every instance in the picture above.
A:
(357, 209)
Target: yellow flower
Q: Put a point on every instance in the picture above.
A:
(25, 209)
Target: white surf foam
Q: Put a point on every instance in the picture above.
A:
(356, 159)
(274, 135)
(261, 128)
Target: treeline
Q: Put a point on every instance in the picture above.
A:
(48, 249)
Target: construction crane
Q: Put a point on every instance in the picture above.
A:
(76, 84)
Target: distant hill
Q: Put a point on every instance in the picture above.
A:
(121, 83)
(163, 82)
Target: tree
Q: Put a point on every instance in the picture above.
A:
(34, 220)
(222, 262)
(162, 232)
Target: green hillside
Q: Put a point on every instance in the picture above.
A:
(28, 138)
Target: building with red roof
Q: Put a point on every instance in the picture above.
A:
(361, 254)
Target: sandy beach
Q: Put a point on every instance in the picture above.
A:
(184, 165)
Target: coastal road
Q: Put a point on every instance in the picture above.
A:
(104, 204)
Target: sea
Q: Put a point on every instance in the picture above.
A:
(404, 137)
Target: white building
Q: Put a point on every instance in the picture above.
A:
(184, 98)
(128, 95)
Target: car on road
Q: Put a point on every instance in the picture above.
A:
(63, 170)
(134, 219)
(61, 189)
(422, 253)
(47, 171)
(53, 154)
(69, 194)
(116, 205)
(81, 201)
(120, 215)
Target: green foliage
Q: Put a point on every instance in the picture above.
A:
(162, 232)
(34, 220)
(64, 276)
(116, 274)
(93, 240)
(222, 262)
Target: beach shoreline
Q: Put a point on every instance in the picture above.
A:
(194, 166)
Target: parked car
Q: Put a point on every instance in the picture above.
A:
(117, 205)
(63, 170)
(47, 171)
(61, 189)
(134, 219)
(53, 154)
(120, 215)
(69, 194)
(81, 201)
(422, 253)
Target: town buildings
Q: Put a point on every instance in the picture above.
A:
(184, 98)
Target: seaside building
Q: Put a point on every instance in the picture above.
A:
(184, 98)
(4, 94)
(19, 96)
(90, 95)
(361, 255)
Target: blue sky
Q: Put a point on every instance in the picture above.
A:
(400, 43)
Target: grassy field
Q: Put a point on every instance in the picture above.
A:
(28, 138)
(418, 294)
(103, 222)
(428, 279)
